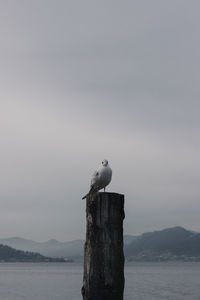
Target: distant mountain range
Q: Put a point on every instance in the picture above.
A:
(168, 244)
(52, 248)
(8, 254)
(174, 243)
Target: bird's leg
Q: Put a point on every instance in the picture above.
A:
(104, 189)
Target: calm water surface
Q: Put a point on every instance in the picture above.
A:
(58, 281)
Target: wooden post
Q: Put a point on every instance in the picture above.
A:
(104, 258)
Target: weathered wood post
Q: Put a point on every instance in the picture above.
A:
(104, 258)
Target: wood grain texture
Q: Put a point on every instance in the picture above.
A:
(103, 254)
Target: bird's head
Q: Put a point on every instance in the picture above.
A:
(105, 162)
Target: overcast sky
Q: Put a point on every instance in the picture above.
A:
(81, 81)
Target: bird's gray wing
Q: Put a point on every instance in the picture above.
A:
(94, 179)
(93, 184)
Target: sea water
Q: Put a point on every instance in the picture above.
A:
(63, 281)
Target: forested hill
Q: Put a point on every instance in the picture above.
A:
(168, 244)
(8, 254)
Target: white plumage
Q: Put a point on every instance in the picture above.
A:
(101, 178)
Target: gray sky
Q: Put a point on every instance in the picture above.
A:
(81, 81)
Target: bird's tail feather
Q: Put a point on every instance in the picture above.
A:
(92, 190)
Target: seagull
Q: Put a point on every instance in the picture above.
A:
(100, 179)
